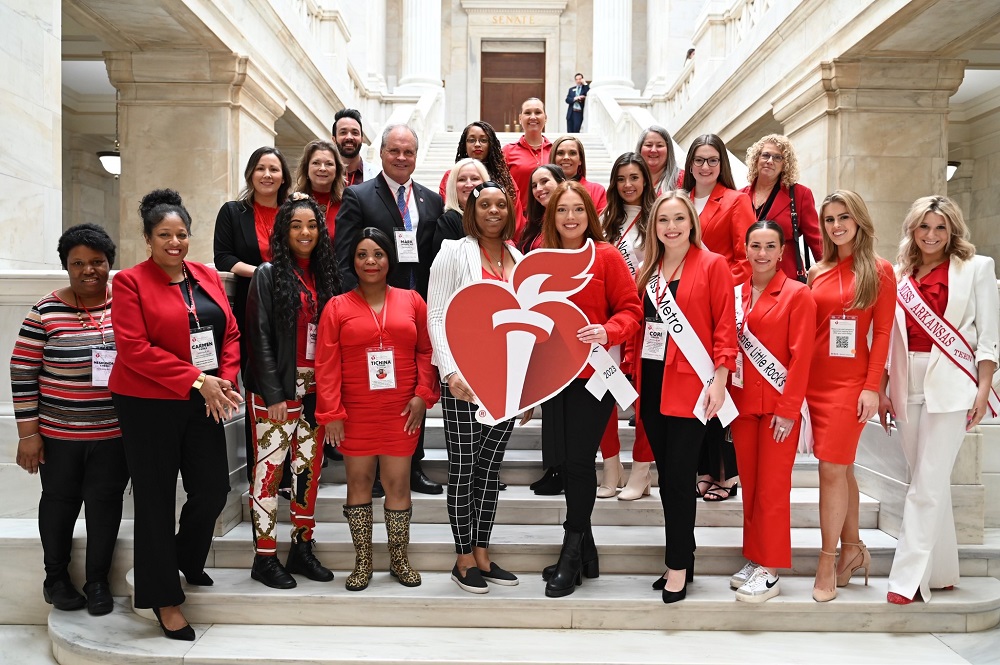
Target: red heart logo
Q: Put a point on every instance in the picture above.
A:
(515, 344)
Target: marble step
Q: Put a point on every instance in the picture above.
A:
(519, 505)
(623, 602)
(528, 547)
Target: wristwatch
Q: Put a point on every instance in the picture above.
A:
(199, 382)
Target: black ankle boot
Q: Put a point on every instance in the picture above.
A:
(302, 561)
(591, 566)
(551, 484)
(268, 571)
(569, 570)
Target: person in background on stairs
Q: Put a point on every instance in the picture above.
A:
(528, 152)
(374, 383)
(173, 384)
(682, 367)
(657, 149)
(935, 397)
(479, 141)
(725, 214)
(775, 324)
(576, 98)
(475, 451)
(854, 290)
(574, 420)
(78, 451)
(630, 201)
(568, 153)
(287, 298)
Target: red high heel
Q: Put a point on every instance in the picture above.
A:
(897, 599)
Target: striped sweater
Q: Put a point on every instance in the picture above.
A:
(50, 372)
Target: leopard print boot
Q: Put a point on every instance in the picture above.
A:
(397, 526)
(359, 518)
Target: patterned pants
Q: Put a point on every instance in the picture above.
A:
(274, 440)
(475, 453)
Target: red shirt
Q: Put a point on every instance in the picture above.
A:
(522, 159)
(934, 290)
(263, 222)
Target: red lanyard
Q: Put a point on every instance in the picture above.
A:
(659, 295)
(192, 309)
(489, 262)
(98, 325)
(622, 239)
(351, 177)
(840, 281)
(385, 306)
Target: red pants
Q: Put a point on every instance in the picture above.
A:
(766, 475)
(611, 444)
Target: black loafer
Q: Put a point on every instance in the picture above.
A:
(99, 598)
(62, 595)
(472, 581)
(422, 484)
(498, 575)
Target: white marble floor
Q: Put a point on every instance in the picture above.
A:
(29, 645)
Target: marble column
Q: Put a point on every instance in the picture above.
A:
(612, 44)
(31, 135)
(877, 126)
(188, 120)
(421, 45)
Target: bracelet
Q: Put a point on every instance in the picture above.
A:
(22, 438)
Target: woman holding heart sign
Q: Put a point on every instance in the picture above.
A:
(574, 418)
(475, 451)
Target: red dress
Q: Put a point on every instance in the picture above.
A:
(347, 330)
(836, 383)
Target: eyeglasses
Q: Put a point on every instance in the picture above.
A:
(473, 141)
(768, 157)
(701, 161)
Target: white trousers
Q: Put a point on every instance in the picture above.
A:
(927, 550)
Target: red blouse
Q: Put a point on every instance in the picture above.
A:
(934, 290)
(263, 222)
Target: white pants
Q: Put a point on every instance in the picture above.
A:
(927, 550)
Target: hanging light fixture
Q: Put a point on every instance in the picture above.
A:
(111, 160)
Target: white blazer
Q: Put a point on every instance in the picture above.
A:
(974, 309)
(456, 265)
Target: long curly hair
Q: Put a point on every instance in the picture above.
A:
(613, 218)
(866, 278)
(790, 168)
(494, 162)
(287, 273)
(302, 183)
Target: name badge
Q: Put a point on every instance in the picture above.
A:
(311, 341)
(203, 349)
(381, 369)
(843, 336)
(737, 376)
(102, 359)
(654, 340)
(406, 246)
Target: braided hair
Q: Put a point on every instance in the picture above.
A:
(494, 162)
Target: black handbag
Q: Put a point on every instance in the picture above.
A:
(800, 270)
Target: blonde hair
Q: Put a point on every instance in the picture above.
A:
(653, 244)
(451, 197)
(958, 246)
(866, 278)
(790, 171)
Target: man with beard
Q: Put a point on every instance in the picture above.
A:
(347, 135)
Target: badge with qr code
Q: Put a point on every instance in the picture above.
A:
(843, 336)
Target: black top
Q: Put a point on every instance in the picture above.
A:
(652, 370)
(209, 314)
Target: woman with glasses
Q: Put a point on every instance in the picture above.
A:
(479, 141)
(776, 194)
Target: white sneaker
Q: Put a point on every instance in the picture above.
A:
(740, 578)
(759, 587)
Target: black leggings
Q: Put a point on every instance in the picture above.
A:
(75, 473)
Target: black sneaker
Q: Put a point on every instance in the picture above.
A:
(472, 581)
(498, 575)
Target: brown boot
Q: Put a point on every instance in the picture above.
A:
(359, 519)
(397, 526)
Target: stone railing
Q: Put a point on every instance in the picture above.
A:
(425, 115)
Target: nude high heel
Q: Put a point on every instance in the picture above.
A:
(613, 478)
(638, 482)
(844, 576)
(823, 595)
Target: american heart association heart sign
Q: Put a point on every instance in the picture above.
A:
(515, 343)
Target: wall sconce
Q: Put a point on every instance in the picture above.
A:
(952, 167)
(111, 160)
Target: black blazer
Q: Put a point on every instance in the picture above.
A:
(270, 364)
(449, 227)
(569, 100)
(372, 204)
(235, 241)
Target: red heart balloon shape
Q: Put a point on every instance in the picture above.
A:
(526, 328)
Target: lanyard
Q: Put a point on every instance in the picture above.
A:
(840, 281)
(489, 262)
(385, 306)
(192, 309)
(99, 325)
(659, 295)
(631, 224)
(351, 177)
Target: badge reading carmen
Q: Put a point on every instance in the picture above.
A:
(515, 342)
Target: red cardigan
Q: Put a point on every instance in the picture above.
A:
(783, 319)
(727, 215)
(152, 334)
(610, 298)
(705, 295)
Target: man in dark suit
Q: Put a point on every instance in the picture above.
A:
(576, 98)
(407, 212)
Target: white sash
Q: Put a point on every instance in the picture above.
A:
(944, 335)
(689, 344)
(627, 250)
(608, 377)
(769, 367)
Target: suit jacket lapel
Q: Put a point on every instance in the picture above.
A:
(388, 199)
(960, 275)
(248, 227)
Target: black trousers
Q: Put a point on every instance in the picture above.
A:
(717, 453)
(573, 423)
(81, 473)
(162, 438)
(675, 443)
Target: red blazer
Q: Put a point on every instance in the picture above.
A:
(706, 297)
(783, 320)
(152, 335)
(727, 215)
(781, 212)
